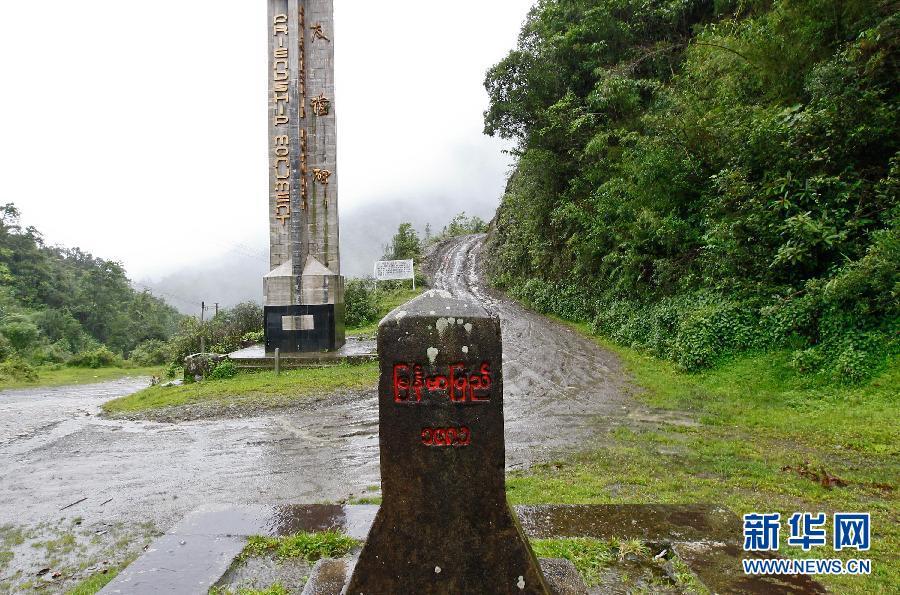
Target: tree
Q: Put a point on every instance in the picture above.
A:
(405, 244)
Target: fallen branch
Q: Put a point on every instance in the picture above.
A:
(73, 504)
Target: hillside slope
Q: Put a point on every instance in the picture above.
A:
(703, 178)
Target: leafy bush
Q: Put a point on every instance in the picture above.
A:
(460, 225)
(6, 348)
(151, 352)
(100, 357)
(15, 368)
(174, 370)
(405, 245)
(224, 333)
(360, 302)
(55, 353)
(59, 325)
(224, 370)
(252, 338)
(21, 333)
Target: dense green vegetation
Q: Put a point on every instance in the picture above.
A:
(699, 178)
(227, 331)
(63, 306)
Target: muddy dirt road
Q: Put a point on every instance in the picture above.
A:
(560, 389)
(136, 478)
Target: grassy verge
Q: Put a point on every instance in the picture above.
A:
(387, 301)
(67, 376)
(252, 388)
(755, 418)
(95, 582)
(308, 546)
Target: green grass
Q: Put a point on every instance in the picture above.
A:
(387, 301)
(308, 546)
(66, 376)
(590, 556)
(754, 416)
(261, 387)
(95, 582)
(593, 557)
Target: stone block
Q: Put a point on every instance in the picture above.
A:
(444, 525)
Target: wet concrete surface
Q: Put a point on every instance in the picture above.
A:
(706, 538)
(562, 393)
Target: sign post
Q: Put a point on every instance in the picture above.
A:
(444, 526)
(395, 270)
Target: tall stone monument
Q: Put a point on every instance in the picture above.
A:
(304, 290)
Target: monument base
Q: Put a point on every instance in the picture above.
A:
(304, 328)
(356, 350)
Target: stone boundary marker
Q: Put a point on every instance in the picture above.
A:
(444, 525)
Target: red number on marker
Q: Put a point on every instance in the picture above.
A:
(440, 437)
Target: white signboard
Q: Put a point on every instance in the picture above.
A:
(394, 270)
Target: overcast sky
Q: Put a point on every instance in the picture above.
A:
(137, 130)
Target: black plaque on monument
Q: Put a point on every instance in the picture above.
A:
(444, 525)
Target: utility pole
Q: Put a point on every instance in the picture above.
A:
(202, 333)
(217, 308)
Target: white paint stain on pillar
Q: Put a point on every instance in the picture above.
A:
(432, 354)
(441, 325)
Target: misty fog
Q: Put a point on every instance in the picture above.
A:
(237, 276)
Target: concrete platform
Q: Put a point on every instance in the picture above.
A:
(356, 350)
(200, 549)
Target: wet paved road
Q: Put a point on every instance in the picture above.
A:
(55, 449)
(560, 388)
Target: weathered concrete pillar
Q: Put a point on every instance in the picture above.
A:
(444, 525)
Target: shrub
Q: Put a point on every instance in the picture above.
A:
(100, 357)
(151, 352)
(252, 338)
(6, 348)
(59, 325)
(361, 303)
(174, 370)
(224, 370)
(15, 368)
(21, 333)
(55, 353)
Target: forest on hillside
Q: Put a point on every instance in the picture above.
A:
(64, 306)
(700, 178)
